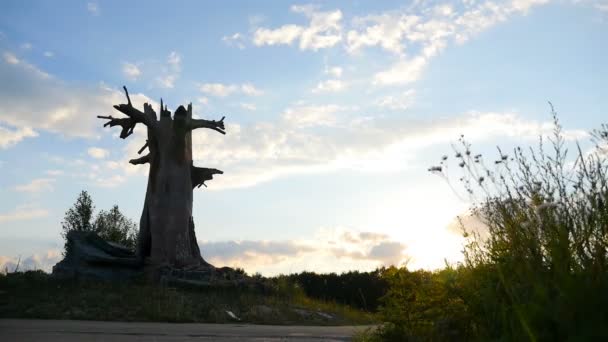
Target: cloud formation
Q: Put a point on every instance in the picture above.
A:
(9, 138)
(23, 213)
(414, 33)
(131, 71)
(32, 100)
(98, 153)
(39, 261)
(37, 185)
(338, 248)
(223, 90)
(324, 30)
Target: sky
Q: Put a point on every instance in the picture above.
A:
(334, 112)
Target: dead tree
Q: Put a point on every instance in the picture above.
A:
(166, 228)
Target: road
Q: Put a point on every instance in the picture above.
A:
(23, 330)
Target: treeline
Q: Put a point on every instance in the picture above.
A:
(361, 290)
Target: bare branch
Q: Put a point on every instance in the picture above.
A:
(141, 160)
(127, 124)
(134, 113)
(217, 126)
(127, 93)
(143, 148)
(200, 175)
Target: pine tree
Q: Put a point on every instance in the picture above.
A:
(79, 216)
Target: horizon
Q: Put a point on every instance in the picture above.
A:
(334, 113)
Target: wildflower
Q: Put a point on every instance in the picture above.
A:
(461, 164)
(481, 179)
(444, 157)
(458, 155)
(504, 157)
(497, 161)
(435, 169)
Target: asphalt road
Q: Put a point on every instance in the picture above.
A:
(23, 330)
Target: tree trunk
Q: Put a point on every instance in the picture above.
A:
(166, 233)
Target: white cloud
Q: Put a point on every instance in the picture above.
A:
(235, 39)
(48, 54)
(251, 90)
(403, 72)
(334, 71)
(54, 173)
(167, 81)
(218, 89)
(422, 31)
(9, 138)
(306, 116)
(175, 60)
(131, 71)
(37, 185)
(248, 106)
(93, 8)
(203, 100)
(223, 90)
(351, 249)
(10, 58)
(385, 30)
(32, 99)
(329, 86)
(601, 5)
(264, 151)
(324, 30)
(39, 261)
(171, 72)
(23, 214)
(98, 153)
(397, 102)
(26, 46)
(286, 34)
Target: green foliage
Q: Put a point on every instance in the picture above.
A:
(361, 290)
(537, 271)
(79, 216)
(113, 226)
(110, 225)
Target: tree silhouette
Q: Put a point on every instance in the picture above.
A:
(166, 229)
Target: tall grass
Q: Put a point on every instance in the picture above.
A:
(537, 271)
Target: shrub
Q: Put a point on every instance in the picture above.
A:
(537, 270)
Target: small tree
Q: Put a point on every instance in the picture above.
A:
(113, 226)
(79, 216)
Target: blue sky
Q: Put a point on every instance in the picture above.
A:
(334, 112)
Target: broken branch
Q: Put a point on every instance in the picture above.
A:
(217, 126)
(141, 160)
(127, 124)
(143, 148)
(134, 113)
(200, 175)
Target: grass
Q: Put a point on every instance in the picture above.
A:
(35, 294)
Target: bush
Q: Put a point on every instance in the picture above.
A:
(536, 271)
(110, 225)
(113, 226)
